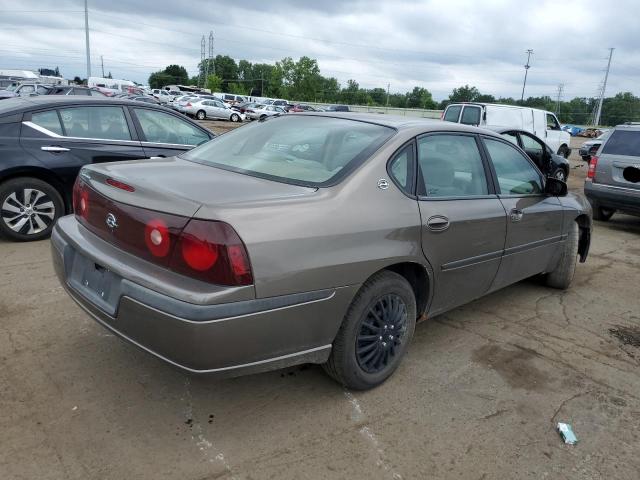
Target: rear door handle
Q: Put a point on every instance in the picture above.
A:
(438, 223)
(54, 149)
(516, 214)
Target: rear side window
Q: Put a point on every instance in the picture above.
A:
(516, 175)
(401, 169)
(623, 142)
(105, 123)
(452, 114)
(48, 120)
(451, 166)
(471, 116)
(160, 127)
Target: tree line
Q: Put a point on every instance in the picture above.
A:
(301, 80)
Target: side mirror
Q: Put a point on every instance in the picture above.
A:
(555, 187)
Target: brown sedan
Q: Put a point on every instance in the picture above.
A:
(316, 238)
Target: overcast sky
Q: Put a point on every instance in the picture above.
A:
(436, 44)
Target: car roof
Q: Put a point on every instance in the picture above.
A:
(19, 104)
(401, 123)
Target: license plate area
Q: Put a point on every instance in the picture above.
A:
(95, 283)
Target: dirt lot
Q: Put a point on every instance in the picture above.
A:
(476, 398)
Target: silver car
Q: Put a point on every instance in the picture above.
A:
(263, 111)
(311, 238)
(613, 178)
(212, 108)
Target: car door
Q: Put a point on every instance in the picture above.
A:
(65, 139)
(220, 109)
(463, 221)
(166, 134)
(534, 220)
(553, 132)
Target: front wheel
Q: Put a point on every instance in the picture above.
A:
(559, 174)
(375, 333)
(201, 115)
(29, 209)
(603, 214)
(562, 276)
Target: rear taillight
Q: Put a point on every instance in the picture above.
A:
(188, 105)
(80, 198)
(250, 111)
(212, 251)
(591, 173)
(209, 251)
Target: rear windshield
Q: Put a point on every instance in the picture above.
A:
(309, 151)
(623, 142)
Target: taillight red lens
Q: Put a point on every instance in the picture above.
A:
(80, 198)
(156, 237)
(213, 252)
(592, 167)
(188, 105)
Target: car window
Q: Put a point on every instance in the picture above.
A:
(451, 166)
(516, 175)
(305, 150)
(401, 169)
(623, 142)
(552, 122)
(219, 104)
(42, 90)
(108, 123)
(511, 136)
(530, 144)
(160, 127)
(452, 113)
(80, 91)
(48, 120)
(26, 89)
(471, 116)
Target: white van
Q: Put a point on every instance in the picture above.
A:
(542, 124)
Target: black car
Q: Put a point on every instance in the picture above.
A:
(549, 163)
(590, 147)
(45, 140)
(74, 90)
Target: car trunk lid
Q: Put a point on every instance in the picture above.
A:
(619, 160)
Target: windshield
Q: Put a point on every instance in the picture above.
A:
(310, 151)
(11, 88)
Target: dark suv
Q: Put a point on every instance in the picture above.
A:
(45, 140)
(613, 179)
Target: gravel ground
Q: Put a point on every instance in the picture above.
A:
(476, 398)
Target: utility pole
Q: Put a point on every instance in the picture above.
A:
(102, 64)
(210, 61)
(86, 32)
(526, 70)
(604, 87)
(560, 90)
(388, 86)
(203, 73)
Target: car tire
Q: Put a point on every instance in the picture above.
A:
(235, 117)
(262, 117)
(560, 174)
(201, 115)
(563, 274)
(603, 214)
(38, 218)
(375, 332)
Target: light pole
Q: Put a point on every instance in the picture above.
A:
(86, 32)
(526, 70)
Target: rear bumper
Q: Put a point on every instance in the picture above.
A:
(608, 196)
(227, 339)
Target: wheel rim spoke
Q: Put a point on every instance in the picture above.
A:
(31, 214)
(381, 333)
